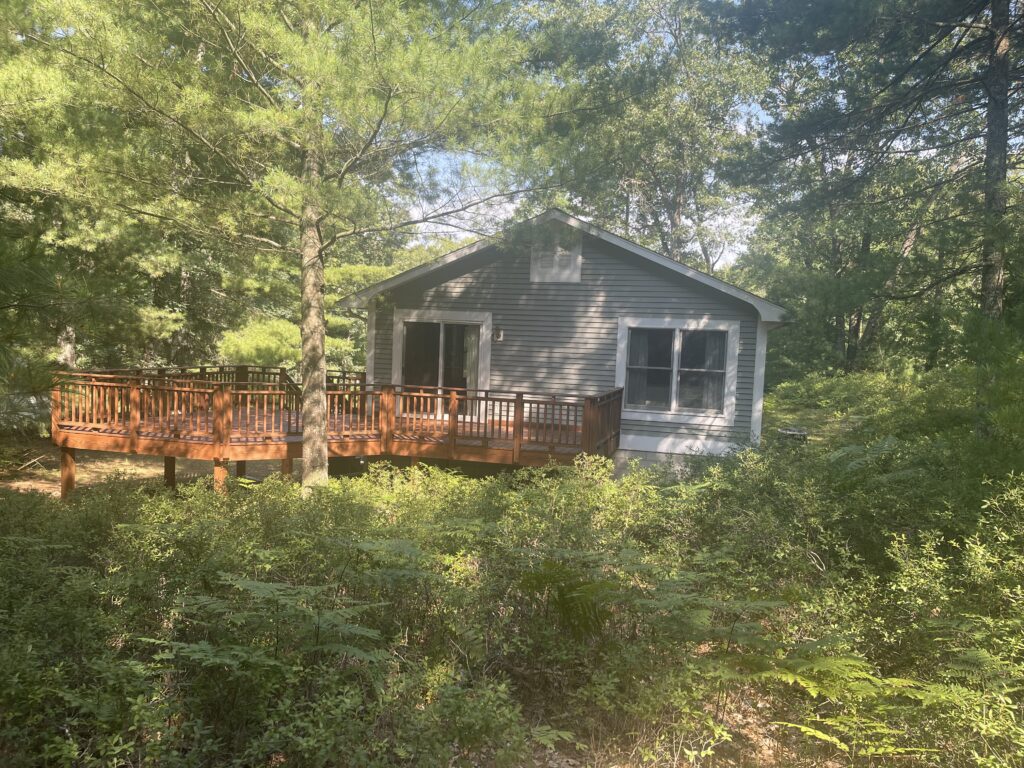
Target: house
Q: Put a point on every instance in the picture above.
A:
(559, 305)
(557, 339)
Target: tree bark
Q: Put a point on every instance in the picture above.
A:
(710, 259)
(853, 337)
(314, 333)
(997, 83)
(839, 339)
(876, 310)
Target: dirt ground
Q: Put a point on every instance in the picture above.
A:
(33, 464)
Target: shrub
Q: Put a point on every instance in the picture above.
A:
(850, 600)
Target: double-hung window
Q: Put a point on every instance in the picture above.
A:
(684, 369)
(649, 369)
(701, 371)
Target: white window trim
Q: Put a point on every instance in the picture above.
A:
(675, 445)
(682, 415)
(757, 412)
(483, 319)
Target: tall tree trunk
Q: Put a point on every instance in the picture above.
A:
(67, 352)
(710, 258)
(876, 309)
(314, 334)
(997, 83)
(853, 338)
(677, 238)
(839, 339)
(679, 235)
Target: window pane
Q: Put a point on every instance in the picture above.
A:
(650, 348)
(705, 391)
(648, 388)
(703, 350)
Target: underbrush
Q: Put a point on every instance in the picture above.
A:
(856, 600)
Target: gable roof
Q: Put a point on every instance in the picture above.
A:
(768, 311)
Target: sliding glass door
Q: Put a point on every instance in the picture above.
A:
(421, 351)
(441, 355)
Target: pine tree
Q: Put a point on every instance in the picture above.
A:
(274, 130)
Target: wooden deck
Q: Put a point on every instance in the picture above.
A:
(240, 413)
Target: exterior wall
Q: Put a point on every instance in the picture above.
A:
(563, 337)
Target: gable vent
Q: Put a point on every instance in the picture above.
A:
(556, 255)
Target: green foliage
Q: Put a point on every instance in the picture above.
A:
(857, 598)
(666, 115)
(276, 342)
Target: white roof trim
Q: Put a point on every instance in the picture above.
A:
(769, 312)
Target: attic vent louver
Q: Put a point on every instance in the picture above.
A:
(556, 255)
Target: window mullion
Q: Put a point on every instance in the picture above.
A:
(677, 350)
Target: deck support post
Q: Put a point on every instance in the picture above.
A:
(239, 469)
(67, 471)
(170, 479)
(517, 428)
(287, 468)
(220, 475)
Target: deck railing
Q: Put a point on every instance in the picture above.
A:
(236, 375)
(209, 374)
(337, 379)
(503, 421)
(239, 413)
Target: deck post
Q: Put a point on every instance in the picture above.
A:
(588, 437)
(221, 436)
(67, 471)
(387, 417)
(239, 469)
(220, 475)
(134, 415)
(242, 374)
(54, 412)
(517, 428)
(286, 468)
(170, 479)
(453, 421)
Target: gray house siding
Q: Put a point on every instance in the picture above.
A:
(563, 337)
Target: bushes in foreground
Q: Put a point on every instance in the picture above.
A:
(856, 600)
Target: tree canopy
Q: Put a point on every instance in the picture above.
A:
(185, 181)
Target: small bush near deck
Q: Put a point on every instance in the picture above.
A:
(853, 601)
